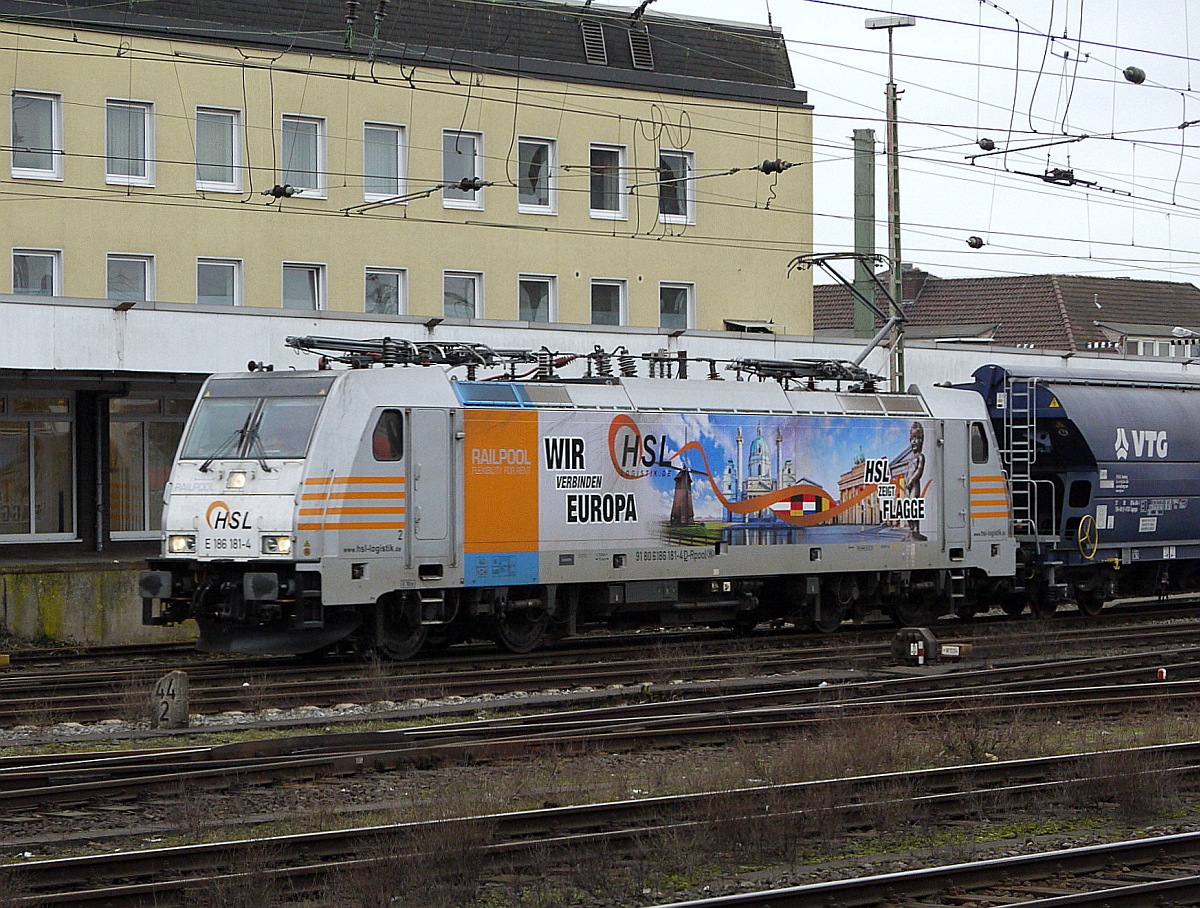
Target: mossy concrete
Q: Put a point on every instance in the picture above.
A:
(94, 603)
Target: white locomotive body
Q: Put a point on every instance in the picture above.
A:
(401, 508)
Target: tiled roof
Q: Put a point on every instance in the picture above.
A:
(524, 35)
(1045, 311)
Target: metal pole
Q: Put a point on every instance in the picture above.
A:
(893, 183)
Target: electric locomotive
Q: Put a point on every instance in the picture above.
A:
(417, 503)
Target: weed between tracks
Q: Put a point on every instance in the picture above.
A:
(783, 833)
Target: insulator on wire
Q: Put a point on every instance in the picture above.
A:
(603, 362)
(390, 352)
(777, 166)
(627, 363)
(472, 371)
(545, 364)
(681, 357)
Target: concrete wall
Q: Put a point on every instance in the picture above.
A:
(77, 603)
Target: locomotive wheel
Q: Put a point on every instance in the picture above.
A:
(911, 611)
(399, 633)
(829, 614)
(521, 630)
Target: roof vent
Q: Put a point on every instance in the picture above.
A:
(593, 42)
(639, 46)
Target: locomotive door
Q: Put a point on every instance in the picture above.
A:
(956, 468)
(431, 489)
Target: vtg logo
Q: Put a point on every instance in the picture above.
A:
(1144, 442)
(220, 517)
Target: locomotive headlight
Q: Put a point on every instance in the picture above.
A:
(277, 545)
(236, 480)
(181, 545)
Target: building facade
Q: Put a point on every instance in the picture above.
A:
(407, 166)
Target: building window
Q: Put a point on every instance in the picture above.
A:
(303, 286)
(218, 282)
(142, 436)
(303, 155)
(130, 277)
(606, 185)
(37, 471)
(385, 291)
(676, 185)
(536, 162)
(37, 272)
(218, 150)
(462, 294)
(608, 302)
(129, 143)
(462, 160)
(36, 135)
(675, 306)
(383, 161)
(536, 297)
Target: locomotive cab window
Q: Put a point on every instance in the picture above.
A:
(979, 443)
(243, 418)
(387, 440)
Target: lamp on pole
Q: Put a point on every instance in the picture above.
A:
(893, 191)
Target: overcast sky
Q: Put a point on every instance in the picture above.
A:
(977, 69)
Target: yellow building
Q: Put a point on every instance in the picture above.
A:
(526, 161)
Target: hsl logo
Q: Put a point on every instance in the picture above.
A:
(1144, 443)
(219, 517)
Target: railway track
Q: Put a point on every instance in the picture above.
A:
(711, 715)
(33, 696)
(303, 863)
(1154, 871)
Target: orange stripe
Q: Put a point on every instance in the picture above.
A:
(318, 480)
(348, 495)
(987, 479)
(985, 514)
(350, 526)
(364, 510)
(978, 500)
(367, 480)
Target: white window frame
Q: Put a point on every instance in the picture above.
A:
(454, 198)
(689, 314)
(622, 301)
(551, 176)
(234, 264)
(401, 161)
(55, 255)
(147, 150)
(235, 143)
(551, 282)
(9, 415)
(476, 278)
(401, 275)
(147, 262)
(621, 212)
(285, 175)
(318, 271)
(55, 170)
(688, 185)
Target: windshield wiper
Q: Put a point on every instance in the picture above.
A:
(238, 436)
(257, 445)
